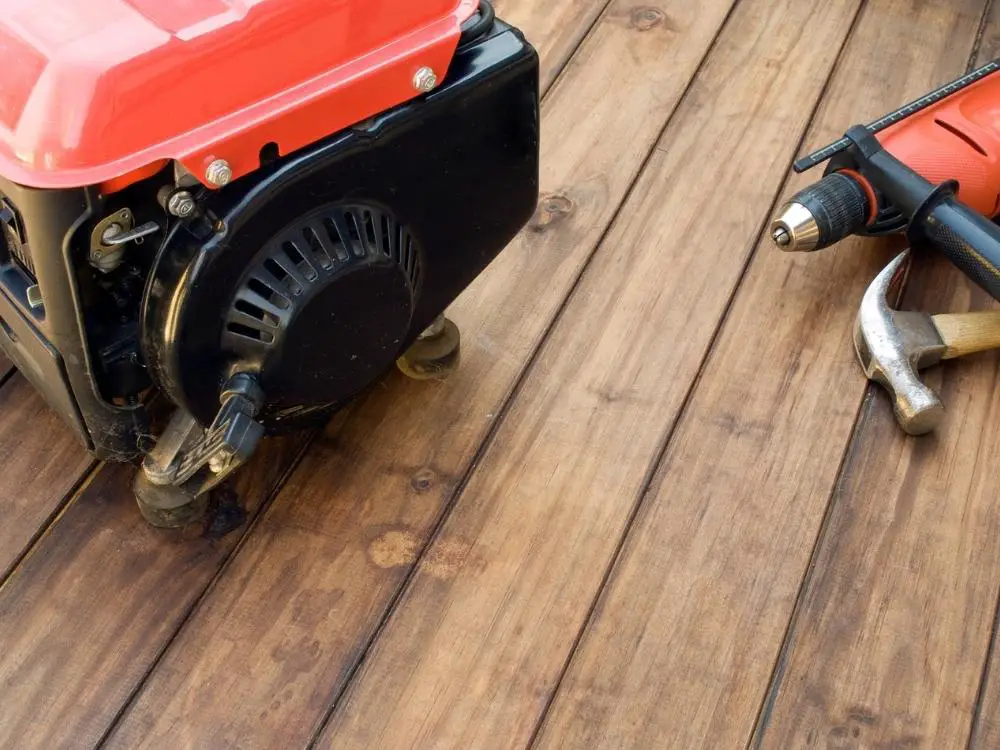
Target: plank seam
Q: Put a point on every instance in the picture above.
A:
(43, 528)
(133, 695)
(774, 682)
(7, 376)
(258, 518)
(977, 42)
(985, 673)
(870, 393)
(515, 390)
(984, 678)
(667, 439)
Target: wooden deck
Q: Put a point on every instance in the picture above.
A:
(658, 507)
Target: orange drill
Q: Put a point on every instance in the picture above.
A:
(933, 172)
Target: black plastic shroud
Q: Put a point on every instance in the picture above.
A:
(452, 175)
(458, 167)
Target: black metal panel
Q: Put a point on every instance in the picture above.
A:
(52, 219)
(458, 167)
(40, 363)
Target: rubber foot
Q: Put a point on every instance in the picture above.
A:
(434, 357)
(217, 512)
(174, 518)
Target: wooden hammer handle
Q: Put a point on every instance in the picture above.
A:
(968, 333)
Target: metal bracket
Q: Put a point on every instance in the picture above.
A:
(122, 238)
(195, 460)
(111, 234)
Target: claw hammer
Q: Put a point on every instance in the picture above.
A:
(893, 346)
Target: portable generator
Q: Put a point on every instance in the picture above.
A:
(226, 219)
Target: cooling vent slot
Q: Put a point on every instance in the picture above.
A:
(300, 261)
(14, 240)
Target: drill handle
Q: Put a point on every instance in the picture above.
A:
(968, 239)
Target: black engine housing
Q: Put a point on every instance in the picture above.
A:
(324, 266)
(314, 273)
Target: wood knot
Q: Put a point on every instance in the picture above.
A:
(552, 207)
(423, 480)
(646, 17)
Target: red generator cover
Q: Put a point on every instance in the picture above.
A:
(104, 92)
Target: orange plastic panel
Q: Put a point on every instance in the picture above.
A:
(958, 138)
(92, 91)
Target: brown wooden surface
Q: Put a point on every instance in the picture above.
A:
(656, 507)
(723, 541)
(364, 515)
(88, 612)
(890, 655)
(42, 463)
(555, 489)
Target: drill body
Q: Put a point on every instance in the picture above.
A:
(956, 140)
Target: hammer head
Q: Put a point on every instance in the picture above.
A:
(893, 346)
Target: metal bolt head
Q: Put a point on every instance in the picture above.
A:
(425, 80)
(181, 204)
(219, 173)
(218, 463)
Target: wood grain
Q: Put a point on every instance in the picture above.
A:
(88, 612)
(894, 626)
(40, 462)
(683, 640)
(348, 528)
(476, 645)
(968, 332)
(556, 29)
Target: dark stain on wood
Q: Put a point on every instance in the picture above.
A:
(423, 480)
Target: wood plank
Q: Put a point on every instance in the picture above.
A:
(344, 534)
(90, 609)
(891, 654)
(556, 28)
(894, 625)
(41, 462)
(6, 367)
(476, 645)
(683, 640)
(135, 586)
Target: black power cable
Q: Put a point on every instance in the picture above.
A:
(477, 26)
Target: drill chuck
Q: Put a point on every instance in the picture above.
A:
(822, 214)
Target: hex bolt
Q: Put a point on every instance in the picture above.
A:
(425, 80)
(181, 204)
(219, 173)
